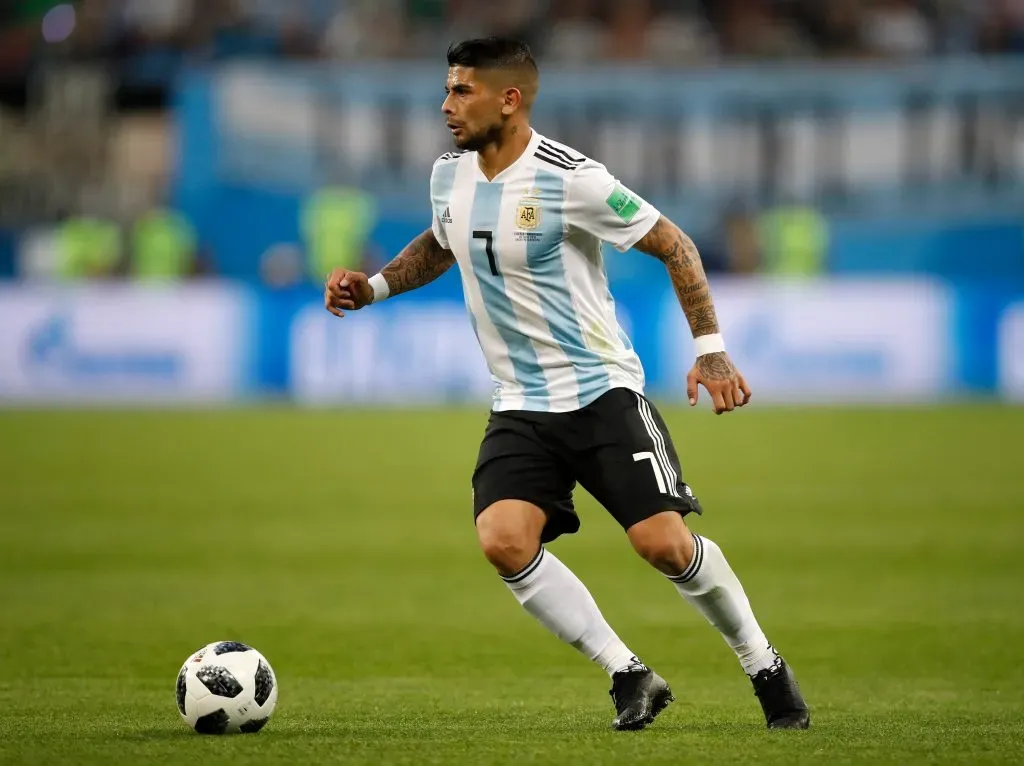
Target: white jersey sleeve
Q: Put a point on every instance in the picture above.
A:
(436, 224)
(599, 205)
(438, 229)
(442, 176)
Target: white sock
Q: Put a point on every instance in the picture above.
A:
(711, 586)
(549, 591)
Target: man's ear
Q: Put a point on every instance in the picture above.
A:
(513, 100)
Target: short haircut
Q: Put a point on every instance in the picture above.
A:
(492, 53)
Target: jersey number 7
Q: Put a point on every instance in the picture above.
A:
(489, 237)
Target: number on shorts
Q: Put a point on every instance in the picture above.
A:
(638, 456)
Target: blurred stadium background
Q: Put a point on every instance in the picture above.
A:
(870, 155)
(177, 176)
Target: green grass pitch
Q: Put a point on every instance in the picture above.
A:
(883, 551)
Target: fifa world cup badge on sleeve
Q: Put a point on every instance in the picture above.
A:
(624, 204)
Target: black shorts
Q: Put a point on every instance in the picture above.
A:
(617, 448)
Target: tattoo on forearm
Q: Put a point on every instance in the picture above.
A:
(703, 320)
(676, 250)
(421, 262)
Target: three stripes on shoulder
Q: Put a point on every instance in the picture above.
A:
(558, 157)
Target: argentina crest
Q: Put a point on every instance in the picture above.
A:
(528, 211)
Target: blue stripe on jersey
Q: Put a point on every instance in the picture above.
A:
(485, 217)
(476, 332)
(548, 271)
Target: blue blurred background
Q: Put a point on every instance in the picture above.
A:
(176, 177)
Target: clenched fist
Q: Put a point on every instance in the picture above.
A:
(348, 290)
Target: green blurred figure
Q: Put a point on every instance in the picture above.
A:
(163, 246)
(794, 241)
(336, 225)
(88, 248)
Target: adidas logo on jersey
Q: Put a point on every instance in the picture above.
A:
(446, 216)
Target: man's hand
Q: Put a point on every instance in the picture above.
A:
(716, 373)
(348, 290)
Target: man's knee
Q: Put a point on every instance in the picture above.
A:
(664, 541)
(509, 532)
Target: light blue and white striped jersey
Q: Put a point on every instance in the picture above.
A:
(528, 245)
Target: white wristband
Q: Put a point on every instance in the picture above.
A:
(709, 344)
(380, 287)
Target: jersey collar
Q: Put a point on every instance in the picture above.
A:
(531, 147)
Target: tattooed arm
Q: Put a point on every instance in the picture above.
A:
(714, 371)
(676, 250)
(421, 262)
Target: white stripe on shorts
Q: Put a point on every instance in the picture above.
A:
(661, 454)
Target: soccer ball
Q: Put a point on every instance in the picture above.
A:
(226, 687)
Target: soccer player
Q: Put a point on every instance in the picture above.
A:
(524, 216)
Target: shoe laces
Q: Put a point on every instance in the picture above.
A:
(772, 670)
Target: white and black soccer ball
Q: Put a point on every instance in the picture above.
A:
(226, 688)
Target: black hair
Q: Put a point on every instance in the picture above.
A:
(491, 53)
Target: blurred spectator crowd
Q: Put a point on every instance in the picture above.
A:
(152, 36)
(85, 172)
